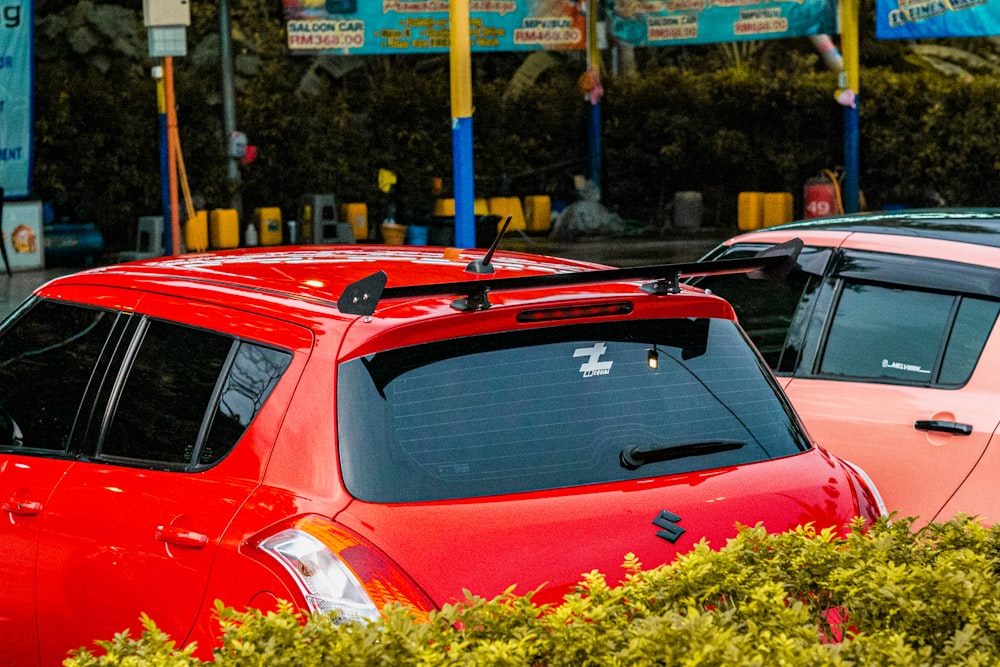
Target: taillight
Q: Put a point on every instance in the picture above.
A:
(866, 492)
(339, 571)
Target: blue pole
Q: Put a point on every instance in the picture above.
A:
(164, 163)
(852, 200)
(594, 69)
(465, 224)
(595, 143)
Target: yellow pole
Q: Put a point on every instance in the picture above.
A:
(175, 220)
(460, 59)
(849, 47)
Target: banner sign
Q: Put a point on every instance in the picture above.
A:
(674, 22)
(16, 71)
(360, 27)
(915, 19)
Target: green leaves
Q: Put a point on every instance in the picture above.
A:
(884, 596)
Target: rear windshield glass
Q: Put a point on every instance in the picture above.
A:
(558, 407)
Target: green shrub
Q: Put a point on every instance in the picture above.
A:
(890, 595)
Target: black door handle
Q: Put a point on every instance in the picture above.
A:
(942, 426)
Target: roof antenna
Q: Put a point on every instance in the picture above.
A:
(482, 266)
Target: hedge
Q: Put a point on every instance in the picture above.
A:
(888, 595)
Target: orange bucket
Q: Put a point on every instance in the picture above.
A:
(393, 234)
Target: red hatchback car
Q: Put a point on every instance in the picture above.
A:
(346, 427)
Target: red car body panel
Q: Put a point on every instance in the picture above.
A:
(550, 540)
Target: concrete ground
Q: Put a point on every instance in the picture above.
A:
(620, 252)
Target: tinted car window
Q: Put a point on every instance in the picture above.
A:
(898, 334)
(973, 323)
(766, 308)
(552, 408)
(47, 358)
(254, 373)
(184, 383)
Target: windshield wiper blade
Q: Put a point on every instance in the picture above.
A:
(633, 458)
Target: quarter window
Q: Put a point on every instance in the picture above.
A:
(766, 308)
(189, 395)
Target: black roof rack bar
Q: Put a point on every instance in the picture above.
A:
(363, 296)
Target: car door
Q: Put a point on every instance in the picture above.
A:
(135, 529)
(49, 355)
(887, 358)
(893, 381)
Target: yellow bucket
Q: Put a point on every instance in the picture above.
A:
(777, 208)
(269, 225)
(224, 228)
(196, 232)
(751, 210)
(356, 213)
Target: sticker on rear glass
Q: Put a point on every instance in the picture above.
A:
(592, 366)
(900, 366)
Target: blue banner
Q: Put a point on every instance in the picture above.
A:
(16, 74)
(915, 19)
(674, 22)
(360, 27)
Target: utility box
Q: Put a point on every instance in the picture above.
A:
(156, 13)
(318, 215)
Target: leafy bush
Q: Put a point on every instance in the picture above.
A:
(886, 596)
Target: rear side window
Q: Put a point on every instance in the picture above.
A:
(766, 308)
(188, 396)
(554, 408)
(48, 356)
(906, 335)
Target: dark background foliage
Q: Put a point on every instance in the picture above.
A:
(719, 119)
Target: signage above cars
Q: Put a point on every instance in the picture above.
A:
(393, 26)
(915, 19)
(713, 21)
(345, 27)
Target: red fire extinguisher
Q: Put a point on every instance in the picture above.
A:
(822, 196)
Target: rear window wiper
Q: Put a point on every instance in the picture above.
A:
(633, 458)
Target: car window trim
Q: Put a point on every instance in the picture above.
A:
(917, 272)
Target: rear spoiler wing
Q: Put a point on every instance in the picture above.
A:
(363, 296)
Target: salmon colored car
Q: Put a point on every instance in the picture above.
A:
(350, 426)
(885, 338)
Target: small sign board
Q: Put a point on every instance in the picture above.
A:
(22, 235)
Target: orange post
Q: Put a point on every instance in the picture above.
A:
(175, 219)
